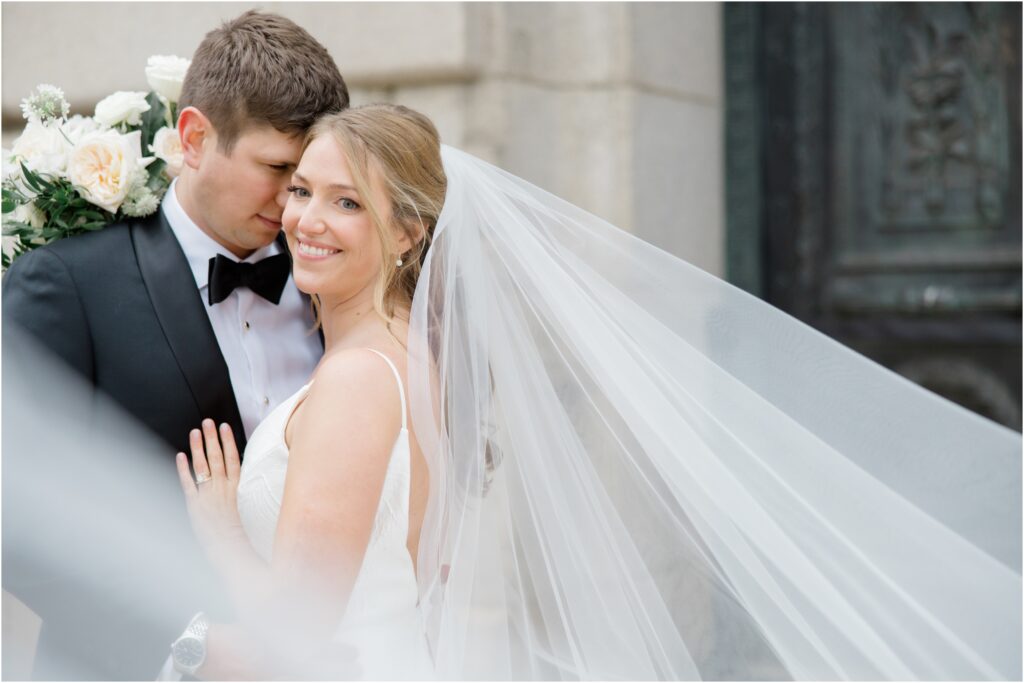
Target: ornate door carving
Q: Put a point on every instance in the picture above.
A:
(874, 183)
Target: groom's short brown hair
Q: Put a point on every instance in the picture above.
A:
(262, 68)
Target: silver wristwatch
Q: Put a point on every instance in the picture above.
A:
(189, 651)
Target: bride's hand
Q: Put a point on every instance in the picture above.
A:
(212, 496)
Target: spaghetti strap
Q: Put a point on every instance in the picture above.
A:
(398, 378)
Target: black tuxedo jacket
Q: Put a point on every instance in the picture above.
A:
(120, 306)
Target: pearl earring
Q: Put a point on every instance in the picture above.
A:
(398, 262)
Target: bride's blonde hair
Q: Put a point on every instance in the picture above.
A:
(402, 149)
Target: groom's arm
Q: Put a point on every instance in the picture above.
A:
(40, 296)
(41, 311)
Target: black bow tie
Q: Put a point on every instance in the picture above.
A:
(266, 277)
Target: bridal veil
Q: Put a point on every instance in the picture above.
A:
(640, 471)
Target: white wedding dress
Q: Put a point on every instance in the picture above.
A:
(382, 619)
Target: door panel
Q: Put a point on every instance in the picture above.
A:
(883, 141)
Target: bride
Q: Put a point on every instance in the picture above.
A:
(347, 517)
(540, 448)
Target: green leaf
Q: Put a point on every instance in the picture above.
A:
(156, 170)
(152, 121)
(11, 195)
(38, 181)
(31, 179)
(16, 228)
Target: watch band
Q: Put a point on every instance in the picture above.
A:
(193, 638)
(198, 627)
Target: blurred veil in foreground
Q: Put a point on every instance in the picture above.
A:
(640, 471)
(96, 539)
(97, 542)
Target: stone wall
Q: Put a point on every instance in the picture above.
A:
(616, 107)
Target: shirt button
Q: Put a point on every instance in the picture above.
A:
(246, 325)
(266, 400)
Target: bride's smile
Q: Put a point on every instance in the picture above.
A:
(327, 216)
(314, 251)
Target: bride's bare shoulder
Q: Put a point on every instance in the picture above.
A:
(346, 369)
(352, 385)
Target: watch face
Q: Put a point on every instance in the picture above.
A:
(188, 652)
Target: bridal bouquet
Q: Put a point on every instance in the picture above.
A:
(64, 176)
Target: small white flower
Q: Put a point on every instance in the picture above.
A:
(165, 74)
(43, 148)
(140, 178)
(141, 202)
(167, 146)
(124, 106)
(45, 104)
(105, 166)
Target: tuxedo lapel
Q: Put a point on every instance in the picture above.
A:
(186, 325)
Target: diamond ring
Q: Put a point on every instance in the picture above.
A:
(203, 478)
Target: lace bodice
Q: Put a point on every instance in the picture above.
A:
(381, 618)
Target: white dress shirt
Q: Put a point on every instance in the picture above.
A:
(270, 349)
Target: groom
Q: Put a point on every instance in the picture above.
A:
(191, 312)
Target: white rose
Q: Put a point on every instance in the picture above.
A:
(165, 75)
(125, 106)
(79, 126)
(105, 165)
(43, 148)
(29, 213)
(167, 146)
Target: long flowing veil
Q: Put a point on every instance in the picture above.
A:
(640, 471)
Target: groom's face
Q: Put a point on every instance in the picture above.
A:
(241, 194)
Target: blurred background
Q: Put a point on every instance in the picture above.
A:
(857, 165)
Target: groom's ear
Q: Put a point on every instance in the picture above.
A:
(196, 135)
